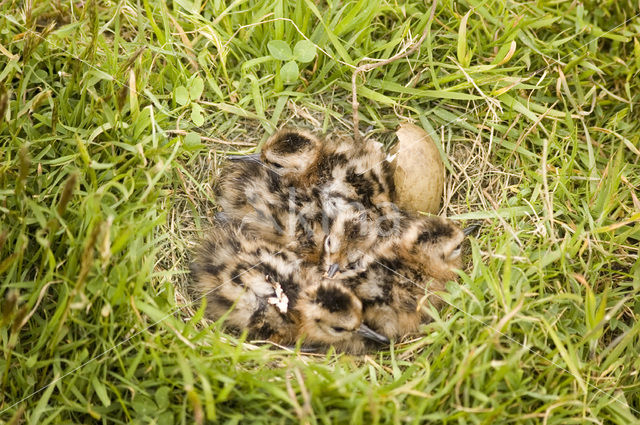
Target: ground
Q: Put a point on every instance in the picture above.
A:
(116, 115)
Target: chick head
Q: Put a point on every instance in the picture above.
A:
(331, 315)
(350, 235)
(436, 243)
(291, 153)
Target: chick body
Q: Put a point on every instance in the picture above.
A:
(405, 269)
(254, 194)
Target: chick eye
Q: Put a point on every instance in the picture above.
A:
(327, 243)
(338, 329)
(276, 165)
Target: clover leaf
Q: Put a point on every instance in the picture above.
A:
(289, 72)
(196, 88)
(181, 95)
(189, 96)
(280, 50)
(196, 114)
(303, 52)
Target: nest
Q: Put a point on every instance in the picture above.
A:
(476, 185)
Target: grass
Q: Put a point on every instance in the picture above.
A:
(105, 184)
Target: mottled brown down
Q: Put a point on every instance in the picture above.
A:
(240, 276)
(331, 167)
(404, 272)
(329, 202)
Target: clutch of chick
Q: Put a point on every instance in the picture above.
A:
(393, 261)
(272, 294)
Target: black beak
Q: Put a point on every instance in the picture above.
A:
(249, 157)
(366, 332)
(470, 229)
(332, 270)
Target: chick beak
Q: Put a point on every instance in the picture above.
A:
(366, 332)
(470, 229)
(248, 157)
(332, 270)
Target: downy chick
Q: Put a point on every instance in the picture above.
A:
(404, 271)
(247, 186)
(290, 153)
(353, 235)
(254, 194)
(331, 315)
(273, 295)
(355, 173)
